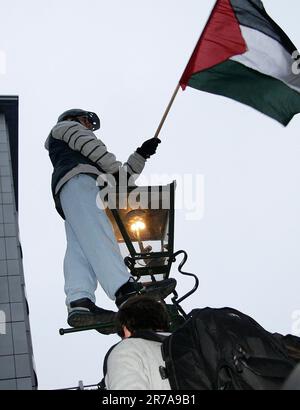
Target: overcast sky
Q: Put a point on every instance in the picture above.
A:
(123, 60)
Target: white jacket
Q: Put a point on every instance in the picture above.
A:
(133, 364)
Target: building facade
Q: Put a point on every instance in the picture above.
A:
(16, 355)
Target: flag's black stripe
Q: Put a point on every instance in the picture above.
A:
(251, 13)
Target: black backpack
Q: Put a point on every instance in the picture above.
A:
(224, 349)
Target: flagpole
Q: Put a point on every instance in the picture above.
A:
(178, 86)
(167, 111)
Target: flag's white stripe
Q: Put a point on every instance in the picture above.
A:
(268, 56)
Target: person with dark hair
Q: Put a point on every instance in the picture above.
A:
(133, 364)
(93, 255)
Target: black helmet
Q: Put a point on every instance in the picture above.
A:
(76, 112)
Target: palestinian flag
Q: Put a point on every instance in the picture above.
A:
(244, 55)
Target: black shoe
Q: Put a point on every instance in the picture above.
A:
(83, 312)
(157, 290)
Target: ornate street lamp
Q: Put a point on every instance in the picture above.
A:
(143, 221)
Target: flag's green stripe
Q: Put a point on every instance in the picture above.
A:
(266, 94)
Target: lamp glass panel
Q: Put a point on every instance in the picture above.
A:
(145, 219)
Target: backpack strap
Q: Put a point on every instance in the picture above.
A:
(101, 384)
(149, 335)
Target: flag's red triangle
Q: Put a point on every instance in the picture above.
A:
(220, 40)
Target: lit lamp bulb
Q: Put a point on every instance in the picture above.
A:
(136, 227)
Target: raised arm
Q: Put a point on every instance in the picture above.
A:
(80, 139)
(85, 141)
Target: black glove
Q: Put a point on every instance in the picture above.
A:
(148, 147)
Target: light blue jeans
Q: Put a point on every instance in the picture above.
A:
(92, 254)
